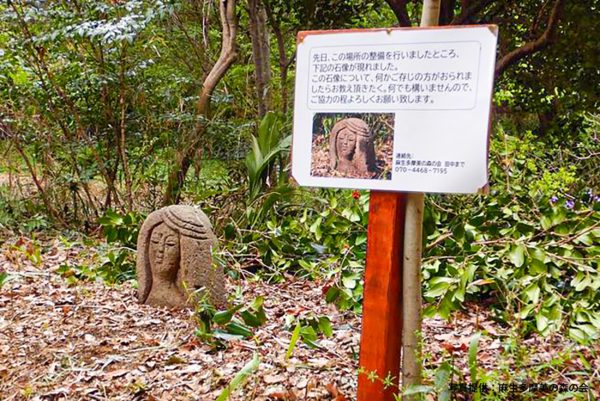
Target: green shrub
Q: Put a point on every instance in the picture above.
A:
(238, 321)
(318, 234)
(121, 232)
(532, 246)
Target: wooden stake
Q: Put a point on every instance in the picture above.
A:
(382, 321)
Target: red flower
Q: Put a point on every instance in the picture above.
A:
(355, 194)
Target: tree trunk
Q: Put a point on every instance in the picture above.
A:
(284, 60)
(431, 13)
(123, 132)
(411, 277)
(257, 21)
(411, 289)
(447, 11)
(189, 144)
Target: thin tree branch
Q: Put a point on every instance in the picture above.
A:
(6, 130)
(544, 40)
(468, 13)
(400, 11)
(226, 57)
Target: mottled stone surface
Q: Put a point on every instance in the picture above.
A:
(351, 149)
(174, 259)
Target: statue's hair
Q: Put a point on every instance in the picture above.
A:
(186, 221)
(356, 125)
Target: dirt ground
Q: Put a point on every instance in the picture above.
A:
(93, 342)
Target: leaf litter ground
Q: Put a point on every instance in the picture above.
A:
(89, 341)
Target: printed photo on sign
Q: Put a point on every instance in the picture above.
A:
(352, 145)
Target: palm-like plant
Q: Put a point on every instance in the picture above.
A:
(266, 162)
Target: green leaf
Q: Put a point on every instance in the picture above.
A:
(361, 239)
(578, 335)
(417, 389)
(251, 319)
(473, 357)
(441, 279)
(19, 76)
(313, 228)
(585, 239)
(558, 217)
(442, 381)
(517, 255)
(309, 336)
(541, 322)
(5, 278)
(239, 329)
(349, 282)
(533, 292)
(224, 317)
(581, 281)
(546, 222)
(293, 341)
(536, 267)
(229, 231)
(437, 290)
(325, 326)
(239, 378)
(332, 294)
(257, 303)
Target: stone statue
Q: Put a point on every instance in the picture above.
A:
(174, 258)
(351, 149)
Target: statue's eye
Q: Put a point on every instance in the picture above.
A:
(170, 242)
(155, 240)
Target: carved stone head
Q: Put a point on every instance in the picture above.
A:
(174, 258)
(351, 149)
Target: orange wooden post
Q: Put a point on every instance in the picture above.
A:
(381, 338)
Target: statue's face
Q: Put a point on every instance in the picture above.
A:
(346, 144)
(164, 250)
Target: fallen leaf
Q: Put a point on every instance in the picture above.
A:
(272, 379)
(174, 360)
(288, 395)
(117, 373)
(195, 368)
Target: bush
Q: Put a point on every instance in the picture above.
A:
(532, 246)
(316, 234)
(121, 231)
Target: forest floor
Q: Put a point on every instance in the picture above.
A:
(90, 341)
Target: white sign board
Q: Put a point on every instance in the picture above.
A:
(394, 109)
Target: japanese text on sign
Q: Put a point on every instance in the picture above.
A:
(416, 76)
